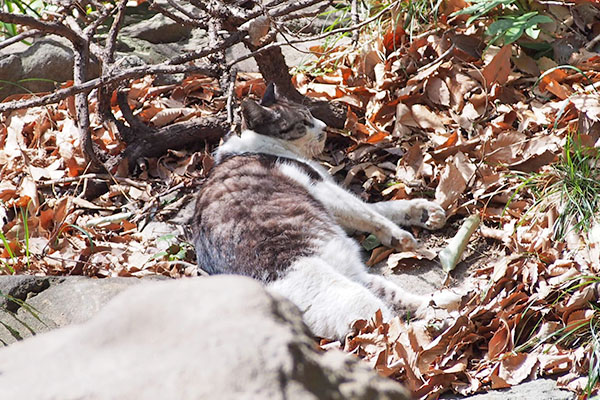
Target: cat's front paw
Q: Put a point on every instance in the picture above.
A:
(428, 214)
(396, 238)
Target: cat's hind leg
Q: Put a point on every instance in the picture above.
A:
(404, 302)
(393, 295)
(329, 301)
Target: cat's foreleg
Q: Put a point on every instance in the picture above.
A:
(416, 212)
(352, 213)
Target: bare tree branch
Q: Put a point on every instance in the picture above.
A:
(355, 21)
(19, 37)
(135, 124)
(109, 49)
(185, 12)
(222, 19)
(133, 73)
(272, 45)
(153, 143)
(91, 28)
(185, 20)
(48, 27)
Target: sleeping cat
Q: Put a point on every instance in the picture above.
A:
(269, 212)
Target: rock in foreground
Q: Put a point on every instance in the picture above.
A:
(216, 338)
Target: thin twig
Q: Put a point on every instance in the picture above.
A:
(355, 21)
(109, 48)
(91, 28)
(153, 203)
(19, 37)
(48, 27)
(592, 43)
(311, 38)
(135, 124)
(102, 177)
(184, 20)
(182, 10)
(231, 94)
(108, 219)
(440, 58)
(133, 73)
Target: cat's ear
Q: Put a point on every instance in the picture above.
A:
(253, 114)
(270, 96)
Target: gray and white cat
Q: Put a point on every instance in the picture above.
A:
(269, 212)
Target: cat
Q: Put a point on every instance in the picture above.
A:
(268, 211)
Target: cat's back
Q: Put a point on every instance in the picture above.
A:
(253, 219)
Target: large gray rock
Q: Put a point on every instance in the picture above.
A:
(52, 302)
(542, 389)
(10, 71)
(39, 68)
(45, 63)
(158, 29)
(48, 59)
(222, 337)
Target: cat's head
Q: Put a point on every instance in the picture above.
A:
(285, 120)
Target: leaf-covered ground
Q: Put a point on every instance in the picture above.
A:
(439, 115)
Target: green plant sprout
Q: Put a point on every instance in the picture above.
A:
(25, 216)
(481, 8)
(572, 185)
(11, 255)
(510, 28)
(177, 251)
(518, 19)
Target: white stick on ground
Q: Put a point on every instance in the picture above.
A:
(452, 254)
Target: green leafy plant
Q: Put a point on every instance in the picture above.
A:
(11, 255)
(510, 28)
(481, 8)
(25, 217)
(577, 185)
(516, 19)
(177, 251)
(370, 242)
(419, 14)
(587, 333)
(583, 333)
(35, 313)
(594, 368)
(571, 186)
(23, 244)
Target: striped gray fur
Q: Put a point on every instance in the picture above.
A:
(268, 211)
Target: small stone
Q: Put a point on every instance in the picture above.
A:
(158, 29)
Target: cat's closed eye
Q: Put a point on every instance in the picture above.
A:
(300, 128)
